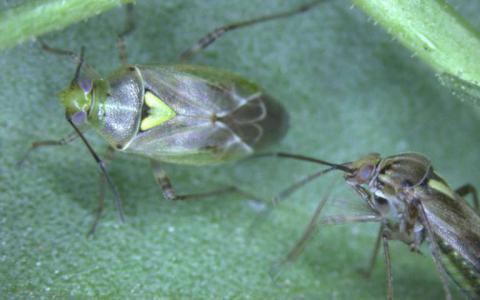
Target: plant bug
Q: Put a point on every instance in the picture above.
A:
(412, 203)
(180, 114)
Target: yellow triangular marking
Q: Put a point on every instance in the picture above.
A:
(159, 112)
(440, 187)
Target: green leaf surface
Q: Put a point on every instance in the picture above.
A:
(349, 89)
(34, 18)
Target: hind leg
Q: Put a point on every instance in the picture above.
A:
(170, 193)
(467, 189)
(212, 36)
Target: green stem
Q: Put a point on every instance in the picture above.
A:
(436, 33)
(36, 18)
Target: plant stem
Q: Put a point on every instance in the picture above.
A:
(435, 32)
(36, 18)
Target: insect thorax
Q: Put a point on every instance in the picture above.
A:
(116, 108)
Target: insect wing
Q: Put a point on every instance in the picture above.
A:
(457, 229)
(253, 115)
(218, 116)
(260, 123)
(184, 140)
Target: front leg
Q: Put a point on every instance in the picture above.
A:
(388, 266)
(373, 258)
(302, 242)
(40, 144)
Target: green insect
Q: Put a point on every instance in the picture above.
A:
(413, 204)
(180, 114)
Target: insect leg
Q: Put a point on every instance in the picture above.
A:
(129, 27)
(87, 69)
(312, 226)
(300, 245)
(57, 51)
(469, 189)
(367, 197)
(210, 37)
(336, 220)
(368, 272)
(434, 248)
(285, 194)
(170, 193)
(388, 264)
(101, 197)
(39, 144)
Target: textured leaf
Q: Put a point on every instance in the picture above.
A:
(349, 89)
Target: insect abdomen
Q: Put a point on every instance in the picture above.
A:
(462, 272)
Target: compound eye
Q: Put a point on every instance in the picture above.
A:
(85, 84)
(79, 118)
(365, 173)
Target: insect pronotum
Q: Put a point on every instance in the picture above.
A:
(181, 114)
(413, 204)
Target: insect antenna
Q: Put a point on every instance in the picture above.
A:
(79, 66)
(101, 164)
(342, 167)
(299, 184)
